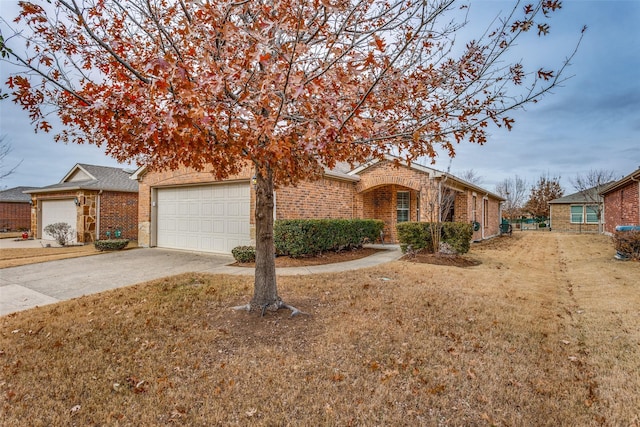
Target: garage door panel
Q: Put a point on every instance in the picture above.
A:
(212, 218)
(54, 211)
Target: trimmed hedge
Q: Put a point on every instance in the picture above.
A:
(111, 244)
(418, 235)
(627, 244)
(306, 237)
(244, 253)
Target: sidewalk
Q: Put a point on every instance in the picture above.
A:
(35, 285)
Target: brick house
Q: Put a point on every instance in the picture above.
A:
(96, 201)
(185, 209)
(622, 202)
(15, 209)
(579, 212)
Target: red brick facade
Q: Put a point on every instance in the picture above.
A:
(15, 216)
(370, 192)
(622, 203)
(119, 211)
(97, 213)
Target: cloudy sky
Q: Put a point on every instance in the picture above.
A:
(591, 122)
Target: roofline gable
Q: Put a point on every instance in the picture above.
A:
(73, 170)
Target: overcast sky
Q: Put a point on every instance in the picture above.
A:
(591, 122)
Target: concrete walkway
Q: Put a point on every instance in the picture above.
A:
(35, 285)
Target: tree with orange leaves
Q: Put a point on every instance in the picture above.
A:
(288, 86)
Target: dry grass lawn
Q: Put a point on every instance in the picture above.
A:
(543, 332)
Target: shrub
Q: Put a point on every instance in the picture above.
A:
(111, 244)
(627, 244)
(244, 253)
(414, 234)
(61, 232)
(305, 237)
(456, 235)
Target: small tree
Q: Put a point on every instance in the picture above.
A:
(513, 190)
(546, 189)
(62, 232)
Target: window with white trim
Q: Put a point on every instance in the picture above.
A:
(403, 203)
(592, 214)
(576, 214)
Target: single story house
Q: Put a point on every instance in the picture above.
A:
(622, 202)
(186, 209)
(579, 212)
(15, 209)
(97, 201)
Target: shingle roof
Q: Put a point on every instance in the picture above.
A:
(633, 176)
(101, 178)
(587, 196)
(16, 195)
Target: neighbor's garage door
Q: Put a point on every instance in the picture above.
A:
(208, 218)
(58, 211)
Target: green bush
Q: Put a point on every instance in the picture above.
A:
(627, 244)
(418, 235)
(458, 235)
(111, 244)
(414, 234)
(244, 253)
(306, 237)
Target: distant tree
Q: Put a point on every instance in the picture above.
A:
(590, 184)
(287, 87)
(546, 189)
(5, 149)
(471, 176)
(514, 191)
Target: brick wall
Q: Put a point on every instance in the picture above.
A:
(324, 198)
(15, 216)
(560, 215)
(119, 211)
(622, 207)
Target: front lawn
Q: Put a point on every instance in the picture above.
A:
(542, 332)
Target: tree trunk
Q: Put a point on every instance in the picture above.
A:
(265, 290)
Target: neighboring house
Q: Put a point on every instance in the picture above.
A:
(622, 202)
(96, 201)
(185, 209)
(15, 209)
(578, 212)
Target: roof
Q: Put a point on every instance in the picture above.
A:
(589, 195)
(633, 176)
(432, 172)
(16, 195)
(343, 171)
(91, 177)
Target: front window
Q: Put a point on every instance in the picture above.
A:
(592, 214)
(402, 206)
(576, 214)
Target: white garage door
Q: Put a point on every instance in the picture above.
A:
(58, 211)
(208, 218)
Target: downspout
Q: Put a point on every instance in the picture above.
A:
(485, 217)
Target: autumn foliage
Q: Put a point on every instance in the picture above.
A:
(288, 86)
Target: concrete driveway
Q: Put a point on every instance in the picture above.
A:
(34, 285)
